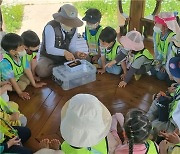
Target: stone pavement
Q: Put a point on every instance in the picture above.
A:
(38, 14)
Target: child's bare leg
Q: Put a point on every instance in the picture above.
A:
(54, 144)
(44, 143)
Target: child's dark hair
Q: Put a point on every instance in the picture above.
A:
(11, 41)
(137, 127)
(108, 35)
(30, 38)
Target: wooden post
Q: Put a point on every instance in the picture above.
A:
(136, 13)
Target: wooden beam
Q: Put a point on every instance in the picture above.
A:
(137, 8)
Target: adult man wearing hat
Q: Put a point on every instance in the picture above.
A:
(165, 28)
(58, 40)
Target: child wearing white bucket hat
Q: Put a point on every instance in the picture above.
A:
(85, 124)
(165, 28)
(142, 58)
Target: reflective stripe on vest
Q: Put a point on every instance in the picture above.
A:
(174, 103)
(162, 45)
(93, 39)
(145, 53)
(101, 148)
(18, 70)
(6, 130)
(151, 147)
(31, 57)
(111, 55)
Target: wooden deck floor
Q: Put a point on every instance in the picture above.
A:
(44, 108)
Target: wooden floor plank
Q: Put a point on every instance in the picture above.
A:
(43, 110)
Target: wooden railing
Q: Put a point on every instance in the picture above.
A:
(136, 18)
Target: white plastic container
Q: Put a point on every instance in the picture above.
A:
(68, 80)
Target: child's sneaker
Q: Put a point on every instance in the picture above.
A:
(137, 77)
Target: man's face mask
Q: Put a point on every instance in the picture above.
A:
(22, 53)
(92, 26)
(66, 28)
(157, 29)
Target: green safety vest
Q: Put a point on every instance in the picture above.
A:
(101, 148)
(145, 53)
(151, 147)
(162, 46)
(177, 145)
(4, 106)
(31, 57)
(174, 103)
(6, 130)
(93, 39)
(18, 70)
(111, 55)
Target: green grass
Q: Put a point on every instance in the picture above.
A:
(12, 17)
(108, 8)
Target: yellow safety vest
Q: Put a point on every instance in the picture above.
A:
(162, 45)
(93, 39)
(145, 53)
(111, 55)
(174, 103)
(31, 57)
(151, 147)
(18, 70)
(101, 148)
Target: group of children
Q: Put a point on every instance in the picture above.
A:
(86, 124)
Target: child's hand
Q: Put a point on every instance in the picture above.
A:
(122, 84)
(163, 146)
(110, 64)
(173, 138)
(24, 95)
(14, 116)
(122, 76)
(101, 71)
(40, 84)
(7, 87)
(2, 83)
(13, 141)
(95, 58)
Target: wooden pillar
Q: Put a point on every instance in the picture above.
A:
(137, 8)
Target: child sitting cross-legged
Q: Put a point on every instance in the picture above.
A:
(141, 60)
(15, 66)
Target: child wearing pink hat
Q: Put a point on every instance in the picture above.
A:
(142, 58)
(165, 28)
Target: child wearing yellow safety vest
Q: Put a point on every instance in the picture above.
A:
(13, 138)
(15, 66)
(85, 124)
(92, 32)
(165, 28)
(109, 51)
(173, 121)
(9, 110)
(141, 58)
(136, 131)
(31, 43)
